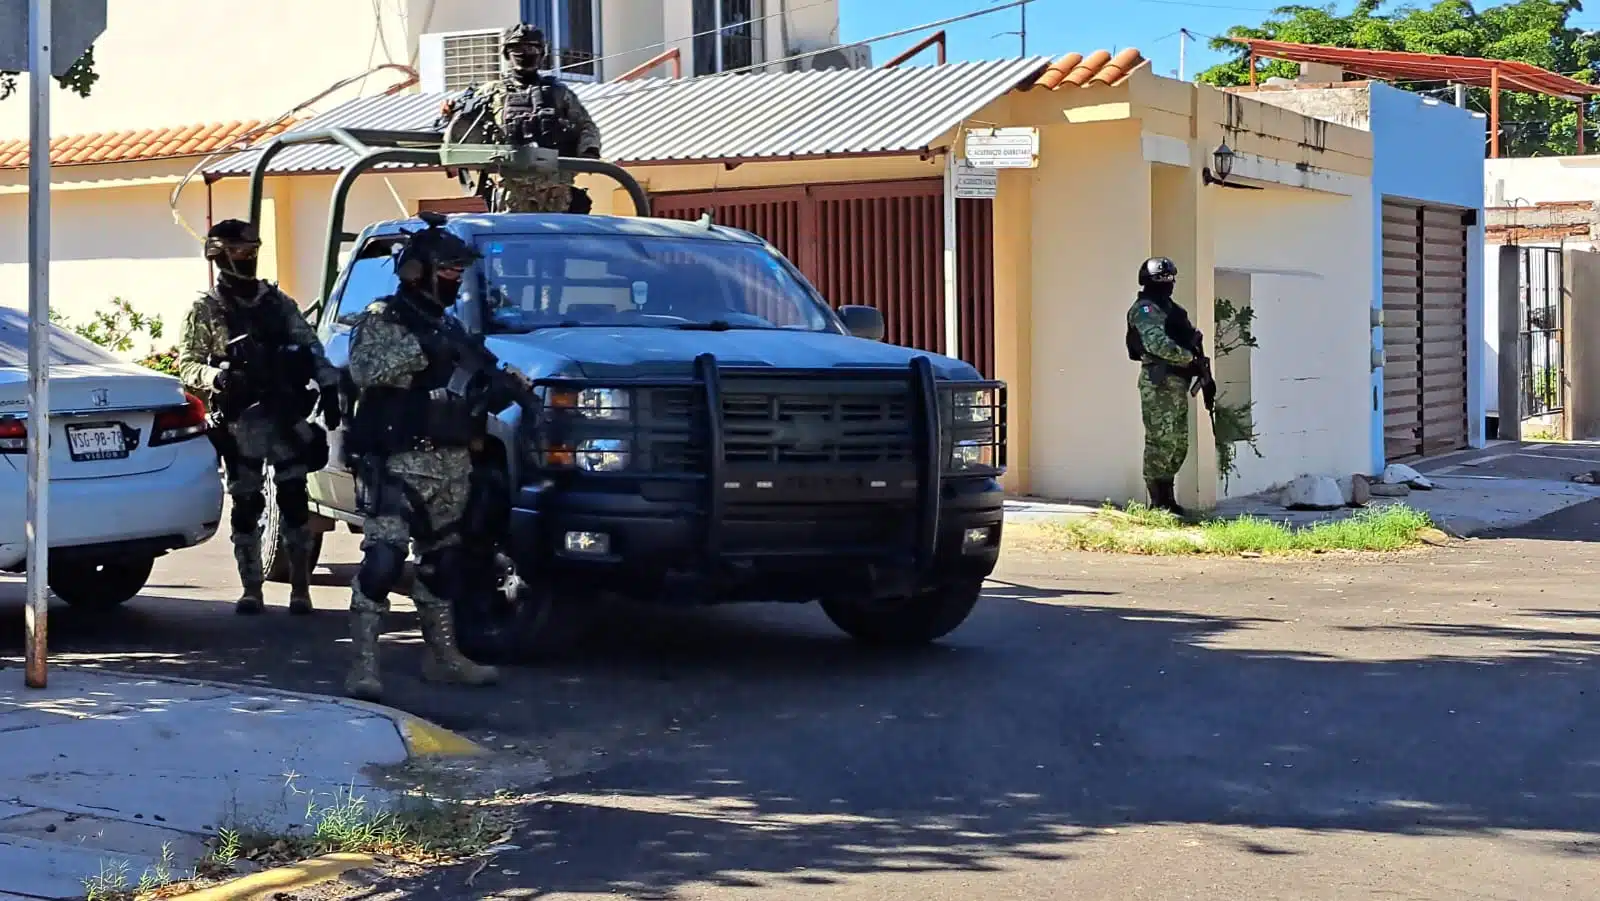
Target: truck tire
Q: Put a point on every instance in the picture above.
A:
(920, 619)
(103, 585)
(274, 562)
(528, 624)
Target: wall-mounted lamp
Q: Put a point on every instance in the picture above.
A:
(1222, 162)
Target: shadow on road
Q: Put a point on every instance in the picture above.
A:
(758, 747)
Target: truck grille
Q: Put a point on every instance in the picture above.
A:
(806, 423)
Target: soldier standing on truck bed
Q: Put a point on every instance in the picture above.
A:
(250, 355)
(527, 107)
(410, 442)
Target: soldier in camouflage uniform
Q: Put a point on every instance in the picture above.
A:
(242, 304)
(514, 103)
(1155, 334)
(411, 442)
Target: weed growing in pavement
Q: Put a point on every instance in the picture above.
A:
(419, 829)
(111, 883)
(1138, 529)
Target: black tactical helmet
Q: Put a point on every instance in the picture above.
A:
(1157, 271)
(521, 33)
(232, 237)
(428, 250)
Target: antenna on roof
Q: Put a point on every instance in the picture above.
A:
(705, 220)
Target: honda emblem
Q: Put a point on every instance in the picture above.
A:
(100, 397)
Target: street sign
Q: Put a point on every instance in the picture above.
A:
(1002, 148)
(973, 183)
(74, 25)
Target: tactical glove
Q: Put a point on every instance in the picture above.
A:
(225, 380)
(328, 406)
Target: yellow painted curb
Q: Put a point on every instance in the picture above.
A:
(424, 739)
(278, 879)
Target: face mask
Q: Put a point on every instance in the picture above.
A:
(1162, 290)
(526, 60)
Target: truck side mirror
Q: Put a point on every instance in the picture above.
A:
(863, 322)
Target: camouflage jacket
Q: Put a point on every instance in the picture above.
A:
(1148, 319)
(205, 337)
(386, 354)
(494, 93)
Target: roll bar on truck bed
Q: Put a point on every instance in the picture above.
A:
(374, 147)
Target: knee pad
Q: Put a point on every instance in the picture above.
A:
(293, 503)
(382, 565)
(246, 513)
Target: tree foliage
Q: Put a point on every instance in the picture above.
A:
(79, 79)
(1530, 31)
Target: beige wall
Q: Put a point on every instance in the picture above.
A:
(1310, 376)
(113, 242)
(1090, 216)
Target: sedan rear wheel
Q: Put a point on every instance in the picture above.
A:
(103, 585)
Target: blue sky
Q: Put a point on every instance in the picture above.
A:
(1056, 27)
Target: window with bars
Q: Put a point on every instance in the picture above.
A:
(727, 35)
(470, 59)
(569, 27)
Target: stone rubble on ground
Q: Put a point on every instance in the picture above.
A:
(1592, 477)
(1382, 489)
(1357, 490)
(1401, 474)
(1312, 492)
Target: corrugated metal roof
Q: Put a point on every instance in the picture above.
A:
(745, 117)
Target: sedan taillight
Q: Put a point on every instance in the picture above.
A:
(13, 436)
(181, 424)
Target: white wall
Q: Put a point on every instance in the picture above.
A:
(1433, 152)
(1309, 375)
(1524, 182)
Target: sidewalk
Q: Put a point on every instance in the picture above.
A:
(106, 772)
(1499, 487)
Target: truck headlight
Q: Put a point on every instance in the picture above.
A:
(602, 454)
(597, 404)
(970, 407)
(970, 454)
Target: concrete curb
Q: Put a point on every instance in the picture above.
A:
(268, 883)
(421, 737)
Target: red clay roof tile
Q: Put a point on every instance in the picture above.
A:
(137, 145)
(1099, 67)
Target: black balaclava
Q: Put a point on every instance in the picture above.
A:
(524, 46)
(233, 247)
(431, 264)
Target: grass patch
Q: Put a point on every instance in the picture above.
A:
(421, 829)
(1137, 529)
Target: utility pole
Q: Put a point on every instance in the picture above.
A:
(1022, 33)
(1183, 40)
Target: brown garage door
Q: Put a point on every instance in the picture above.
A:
(875, 243)
(1424, 330)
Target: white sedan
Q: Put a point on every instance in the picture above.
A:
(132, 475)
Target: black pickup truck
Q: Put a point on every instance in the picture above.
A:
(712, 430)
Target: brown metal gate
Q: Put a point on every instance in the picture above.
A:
(1424, 330)
(875, 243)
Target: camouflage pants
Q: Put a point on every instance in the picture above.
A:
(524, 196)
(256, 444)
(426, 492)
(1165, 411)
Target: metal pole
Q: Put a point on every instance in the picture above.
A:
(952, 302)
(38, 530)
(1461, 95)
(1183, 41)
(1022, 34)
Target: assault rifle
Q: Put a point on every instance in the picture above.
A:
(474, 361)
(276, 376)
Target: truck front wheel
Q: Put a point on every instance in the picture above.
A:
(920, 619)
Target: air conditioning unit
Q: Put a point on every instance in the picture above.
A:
(450, 61)
(858, 56)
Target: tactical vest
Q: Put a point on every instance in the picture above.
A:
(1178, 327)
(286, 361)
(389, 420)
(532, 116)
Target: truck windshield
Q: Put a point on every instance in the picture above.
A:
(549, 281)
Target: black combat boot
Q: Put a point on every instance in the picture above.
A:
(1164, 496)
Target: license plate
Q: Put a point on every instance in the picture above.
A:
(96, 442)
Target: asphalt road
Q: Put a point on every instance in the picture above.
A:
(1421, 727)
